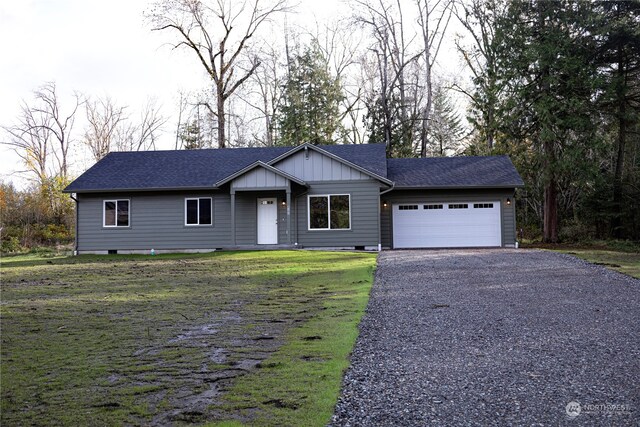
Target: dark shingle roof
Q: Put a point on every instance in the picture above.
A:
(372, 158)
(449, 172)
(151, 170)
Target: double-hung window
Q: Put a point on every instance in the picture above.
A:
(197, 211)
(115, 213)
(330, 212)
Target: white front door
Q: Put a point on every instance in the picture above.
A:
(267, 221)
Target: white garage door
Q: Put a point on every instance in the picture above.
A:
(446, 225)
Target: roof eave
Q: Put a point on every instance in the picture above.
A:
(456, 187)
(137, 190)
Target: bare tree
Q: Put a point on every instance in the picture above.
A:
(339, 46)
(43, 134)
(183, 103)
(478, 17)
(442, 11)
(218, 33)
(264, 93)
(393, 53)
(142, 135)
(103, 120)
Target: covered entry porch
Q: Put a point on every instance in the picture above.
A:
(262, 214)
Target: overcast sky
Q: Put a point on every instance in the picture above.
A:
(98, 48)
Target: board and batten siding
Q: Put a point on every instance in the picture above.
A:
(365, 200)
(507, 212)
(311, 166)
(157, 220)
(259, 178)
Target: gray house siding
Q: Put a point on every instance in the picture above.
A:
(365, 199)
(247, 216)
(157, 220)
(312, 166)
(507, 212)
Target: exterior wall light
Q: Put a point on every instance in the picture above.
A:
(384, 203)
(508, 201)
(284, 203)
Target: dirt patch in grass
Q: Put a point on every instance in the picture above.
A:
(166, 340)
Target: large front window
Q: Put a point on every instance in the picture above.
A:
(329, 212)
(116, 213)
(198, 211)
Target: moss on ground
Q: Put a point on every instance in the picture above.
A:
(257, 338)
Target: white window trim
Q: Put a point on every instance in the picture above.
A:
(328, 196)
(185, 212)
(104, 213)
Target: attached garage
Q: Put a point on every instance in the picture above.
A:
(446, 224)
(449, 202)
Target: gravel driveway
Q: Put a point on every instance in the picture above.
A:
(495, 337)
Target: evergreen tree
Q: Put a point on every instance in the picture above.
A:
(617, 30)
(401, 132)
(190, 136)
(445, 128)
(544, 59)
(310, 111)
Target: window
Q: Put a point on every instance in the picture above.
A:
(459, 206)
(482, 205)
(115, 213)
(432, 207)
(198, 211)
(330, 212)
(407, 207)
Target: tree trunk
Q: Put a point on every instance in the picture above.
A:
(616, 220)
(427, 65)
(221, 118)
(550, 226)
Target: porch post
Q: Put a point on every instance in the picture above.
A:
(233, 217)
(289, 212)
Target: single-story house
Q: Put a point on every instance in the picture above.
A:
(333, 196)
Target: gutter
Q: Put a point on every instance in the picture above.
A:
(393, 186)
(75, 246)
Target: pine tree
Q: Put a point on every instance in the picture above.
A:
(311, 108)
(401, 132)
(543, 56)
(445, 128)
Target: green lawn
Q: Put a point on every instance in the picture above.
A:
(257, 338)
(618, 255)
(624, 262)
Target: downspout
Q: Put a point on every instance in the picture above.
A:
(297, 225)
(379, 221)
(75, 246)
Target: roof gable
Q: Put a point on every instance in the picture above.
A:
(253, 172)
(312, 163)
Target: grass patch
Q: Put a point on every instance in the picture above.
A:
(230, 338)
(621, 256)
(623, 262)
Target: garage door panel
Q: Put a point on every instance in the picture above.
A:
(447, 227)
